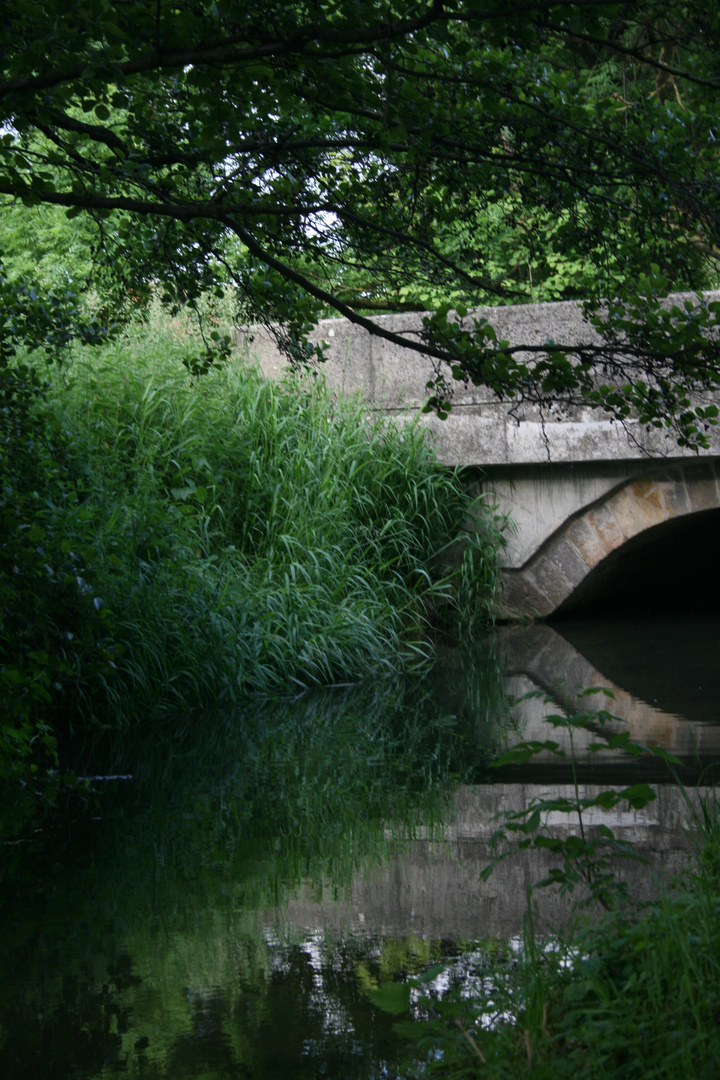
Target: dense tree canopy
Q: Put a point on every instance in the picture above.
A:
(357, 156)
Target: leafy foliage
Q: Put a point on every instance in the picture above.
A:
(362, 156)
(53, 630)
(169, 544)
(587, 855)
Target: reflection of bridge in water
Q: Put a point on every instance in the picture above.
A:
(538, 658)
(433, 886)
(582, 491)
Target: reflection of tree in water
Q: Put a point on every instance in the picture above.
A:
(75, 1033)
(308, 1019)
(226, 816)
(207, 1048)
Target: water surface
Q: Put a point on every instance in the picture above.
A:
(228, 910)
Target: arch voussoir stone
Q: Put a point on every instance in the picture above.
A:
(538, 588)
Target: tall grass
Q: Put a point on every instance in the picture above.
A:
(251, 536)
(634, 997)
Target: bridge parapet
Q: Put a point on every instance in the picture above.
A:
(480, 430)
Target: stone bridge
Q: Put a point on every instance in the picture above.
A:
(580, 491)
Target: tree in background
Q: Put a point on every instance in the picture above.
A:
(368, 156)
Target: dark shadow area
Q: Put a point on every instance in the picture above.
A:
(672, 663)
(616, 774)
(673, 568)
(648, 617)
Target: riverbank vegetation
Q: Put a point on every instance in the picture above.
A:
(627, 989)
(632, 996)
(173, 542)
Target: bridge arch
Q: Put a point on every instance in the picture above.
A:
(588, 540)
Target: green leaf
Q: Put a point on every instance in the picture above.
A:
(638, 795)
(392, 997)
(549, 843)
(432, 973)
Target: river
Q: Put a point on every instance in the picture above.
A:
(223, 897)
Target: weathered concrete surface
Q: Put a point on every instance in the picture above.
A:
(539, 584)
(542, 498)
(480, 430)
(576, 486)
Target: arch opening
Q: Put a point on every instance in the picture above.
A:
(671, 568)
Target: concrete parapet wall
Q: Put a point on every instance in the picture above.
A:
(480, 429)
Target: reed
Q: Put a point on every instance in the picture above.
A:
(251, 536)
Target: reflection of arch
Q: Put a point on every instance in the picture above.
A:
(543, 658)
(582, 543)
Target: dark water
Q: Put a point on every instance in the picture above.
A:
(227, 911)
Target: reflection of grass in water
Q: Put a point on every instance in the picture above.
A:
(312, 782)
(225, 817)
(471, 684)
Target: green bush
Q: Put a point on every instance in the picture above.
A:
(52, 628)
(174, 542)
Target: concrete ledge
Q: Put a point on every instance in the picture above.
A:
(494, 437)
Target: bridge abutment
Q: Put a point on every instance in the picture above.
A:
(591, 532)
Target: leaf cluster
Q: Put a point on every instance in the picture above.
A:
(356, 157)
